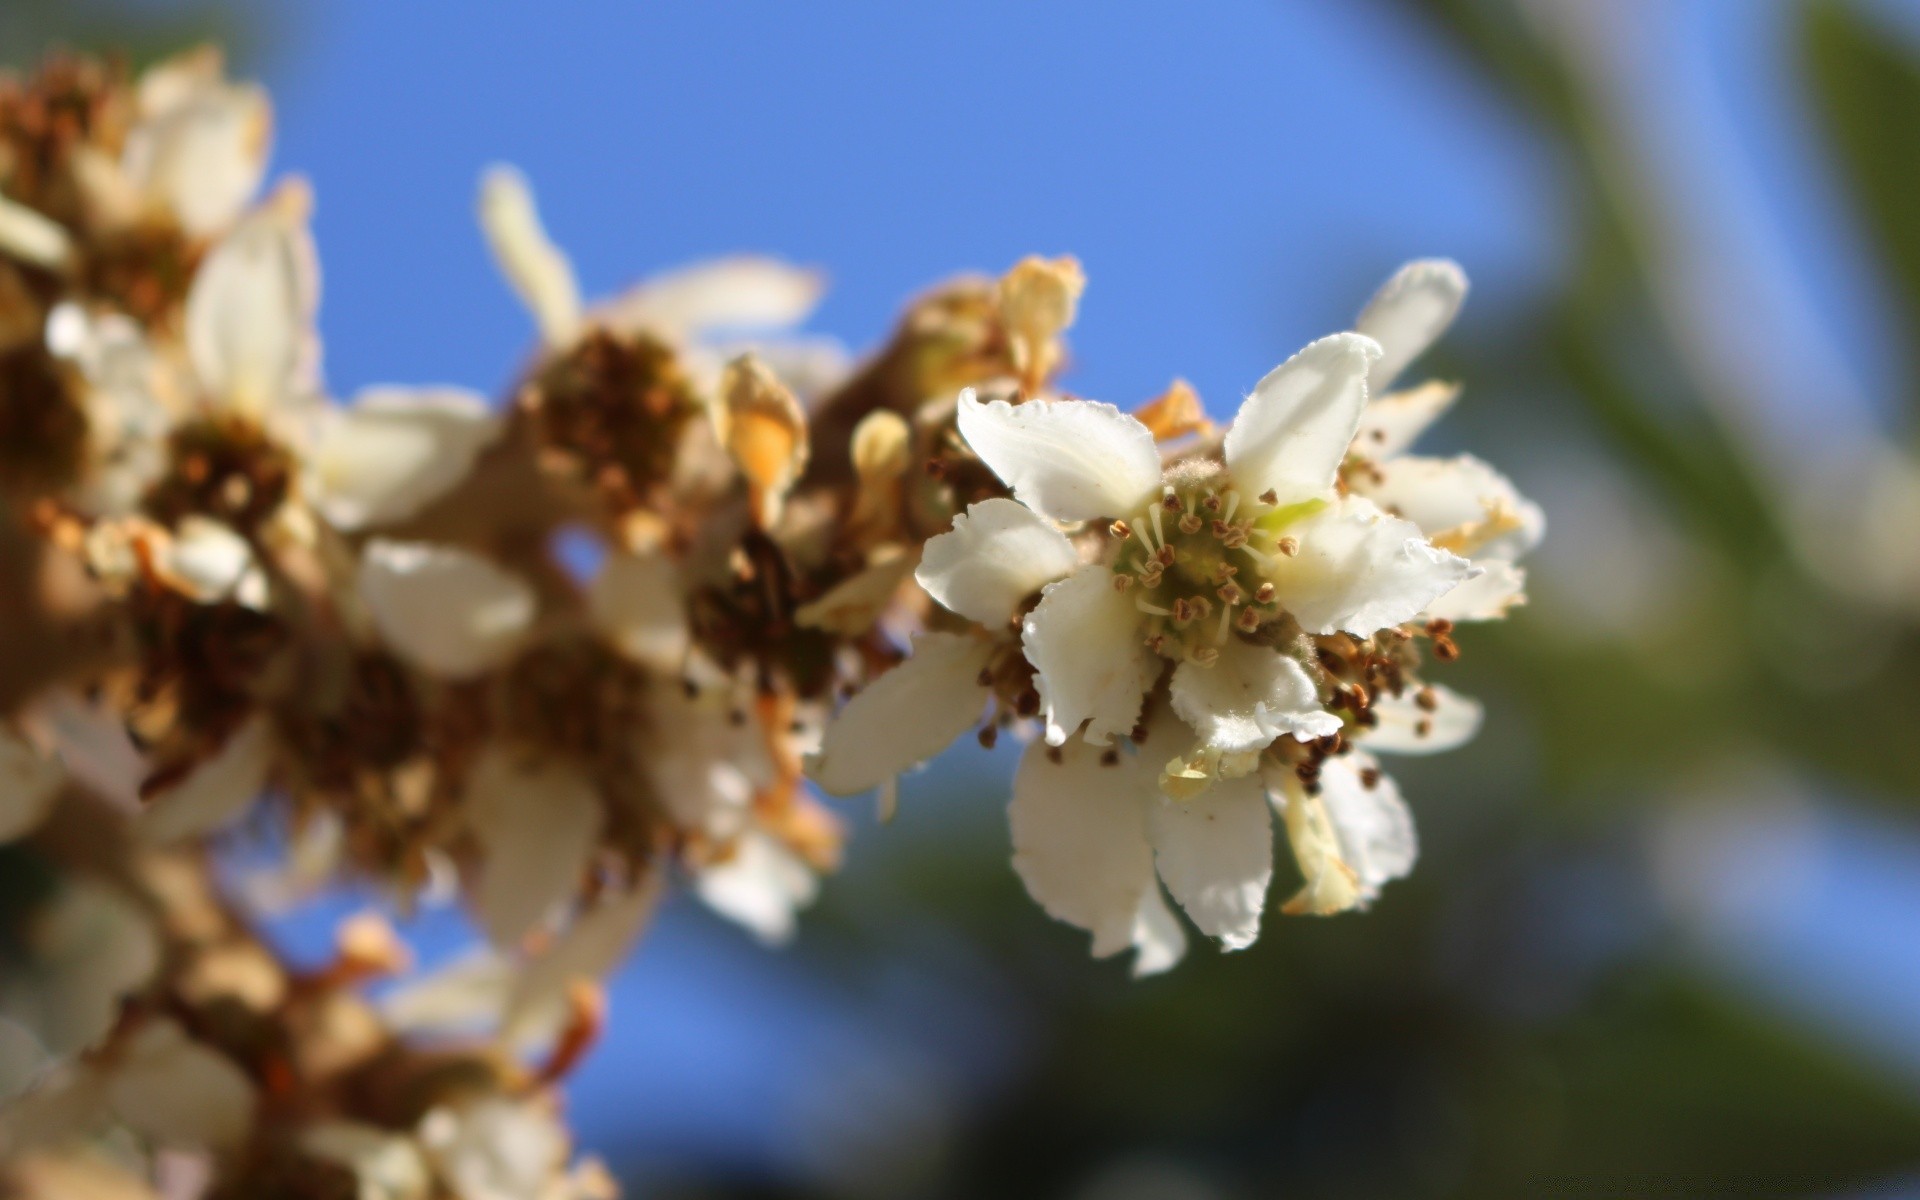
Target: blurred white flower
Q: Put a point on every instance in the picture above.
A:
(446, 610)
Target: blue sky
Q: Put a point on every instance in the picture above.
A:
(1236, 178)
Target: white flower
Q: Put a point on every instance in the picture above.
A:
(1461, 503)
(198, 149)
(495, 1148)
(216, 791)
(385, 1165)
(760, 885)
(250, 314)
(393, 451)
(446, 610)
(126, 419)
(537, 821)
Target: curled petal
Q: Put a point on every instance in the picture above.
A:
(1393, 422)
(448, 611)
(1461, 503)
(1433, 719)
(1089, 659)
(906, 716)
(1359, 570)
(1080, 842)
(997, 554)
(537, 822)
(1215, 854)
(1072, 460)
(1247, 698)
(395, 451)
(738, 293)
(538, 270)
(1292, 433)
(1409, 313)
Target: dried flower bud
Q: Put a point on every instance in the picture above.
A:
(766, 432)
(1037, 300)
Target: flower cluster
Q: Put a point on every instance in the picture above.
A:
(553, 656)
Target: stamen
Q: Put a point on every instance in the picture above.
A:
(1122, 583)
(1158, 532)
(1263, 594)
(1226, 625)
(1147, 606)
(1288, 546)
(1233, 502)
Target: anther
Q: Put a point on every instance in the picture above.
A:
(1054, 755)
(1269, 497)
(1170, 502)
(1288, 546)
(1190, 523)
(1122, 582)
(1119, 529)
(1165, 557)
(988, 735)
(1110, 758)
(1427, 699)
(1248, 620)
(1263, 594)
(1230, 594)
(1211, 503)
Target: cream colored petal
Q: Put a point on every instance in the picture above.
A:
(384, 1165)
(447, 611)
(1292, 433)
(1393, 422)
(639, 605)
(856, 604)
(91, 741)
(905, 716)
(30, 781)
(1247, 698)
(760, 886)
(1446, 721)
(1409, 313)
(90, 946)
(31, 237)
(590, 949)
(1360, 570)
(704, 763)
(217, 791)
(250, 313)
(1158, 941)
(212, 564)
(538, 270)
(1071, 460)
(537, 822)
(203, 157)
(462, 998)
(1215, 854)
(1089, 657)
(1462, 503)
(395, 451)
(180, 1092)
(997, 554)
(1371, 821)
(1080, 841)
(1331, 885)
(1485, 597)
(495, 1148)
(737, 293)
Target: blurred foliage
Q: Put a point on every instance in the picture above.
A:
(143, 32)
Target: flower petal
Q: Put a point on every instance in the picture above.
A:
(212, 564)
(203, 156)
(447, 611)
(249, 319)
(1460, 502)
(760, 886)
(538, 270)
(1158, 941)
(637, 604)
(997, 554)
(217, 790)
(1409, 313)
(1089, 659)
(741, 292)
(537, 821)
(395, 451)
(1372, 822)
(1391, 423)
(1484, 597)
(1247, 698)
(1358, 569)
(1080, 840)
(32, 237)
(597, 942)
(1215, 854)
(1072, 460)
(1292, 433)
(1408, 727)
(30, 779)
(905, 716)
(180, 1092)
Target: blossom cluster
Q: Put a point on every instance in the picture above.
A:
(554, 656)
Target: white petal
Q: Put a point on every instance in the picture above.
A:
(1360, 570)
(1080, 839)
(1248, 697)
(179, 1092)
(91, 945)
(384, 1165)
(1409, 313)
(92, 744)
(213, 564)
(250, 313)
(1393, 422)
(1292, 433)
(1158, 941)
(760, 886)
(495, 1148)
(216, 791)
(1072, 460)
(596, 943)
(997, 554)
(1485, 597)
(1464, 497)
(1089, 659)
(30, 779)
(537, 822)
(538, 270)
(1373, 824)
(856, 604)
(446, 610)
(638, 604)
(395, 451)
(31, 237)
(462, 998)
(1215, 854)
(704, 767)
(1407, 728)
(737, 293)
(203, 157)
(904, 717)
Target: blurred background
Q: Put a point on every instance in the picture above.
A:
(1664, 938)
